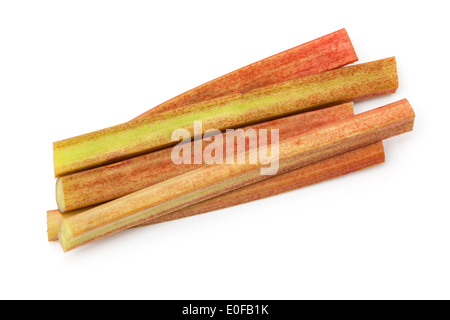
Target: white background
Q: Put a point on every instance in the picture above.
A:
(71, 67)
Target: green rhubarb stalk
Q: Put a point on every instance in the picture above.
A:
(142, 136)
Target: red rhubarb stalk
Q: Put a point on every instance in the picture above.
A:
(325, 53)
(98, 185)
(320, 171)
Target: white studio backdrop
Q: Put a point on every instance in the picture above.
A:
(68, 68)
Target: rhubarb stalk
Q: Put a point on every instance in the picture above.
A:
(314, 173)
(325, 53)
(294, 96)
(98, 185)
(209, 181)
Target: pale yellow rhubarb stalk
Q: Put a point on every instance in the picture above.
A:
(210, 181)
(314, 173)
(54, 217)
(142, 136)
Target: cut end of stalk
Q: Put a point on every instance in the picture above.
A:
(406, 101)
(53, 218)
(60, 195)
(57, 171)
(345, 37)
(65, 236)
